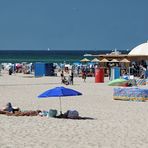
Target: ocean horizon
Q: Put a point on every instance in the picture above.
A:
(49, 56)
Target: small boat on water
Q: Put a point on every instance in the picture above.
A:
(87, 55)
(115, 52)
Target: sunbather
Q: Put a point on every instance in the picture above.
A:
(21, 113)
(27, 113)
(15, 111)
(10, 108)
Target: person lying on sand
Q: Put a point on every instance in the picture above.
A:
(21, 113)
(15, 111)
(9, 108)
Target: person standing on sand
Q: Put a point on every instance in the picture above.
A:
(84, 76)
(62, 76)
(71, 78)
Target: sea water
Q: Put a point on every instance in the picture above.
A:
(52, 56)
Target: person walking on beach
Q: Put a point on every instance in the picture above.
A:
(84, 75)
(71, 78)
(62, 76)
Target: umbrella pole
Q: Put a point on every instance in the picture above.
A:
(60, 106)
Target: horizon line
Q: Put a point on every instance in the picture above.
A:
(60, 50)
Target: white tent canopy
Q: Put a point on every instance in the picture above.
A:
(85, 60)
(141, 49)
(114, 60)
(125, 61)
(95, 60)
(104, 60)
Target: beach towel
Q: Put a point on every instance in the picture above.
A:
(132, 93)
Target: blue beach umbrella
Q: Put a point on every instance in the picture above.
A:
(90, 63)
(59, 92)
(77, 64)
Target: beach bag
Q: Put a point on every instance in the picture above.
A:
(52, 113)
(73, 114)
(44, 113)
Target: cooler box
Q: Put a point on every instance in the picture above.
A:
(52, 113)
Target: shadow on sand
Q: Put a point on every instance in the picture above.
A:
(78, 118)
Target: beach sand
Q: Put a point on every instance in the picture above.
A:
(116, 124)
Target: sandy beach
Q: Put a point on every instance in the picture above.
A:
(116, 124)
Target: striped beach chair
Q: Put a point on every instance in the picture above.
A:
(140, 81)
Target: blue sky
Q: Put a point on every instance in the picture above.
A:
(72, 24)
